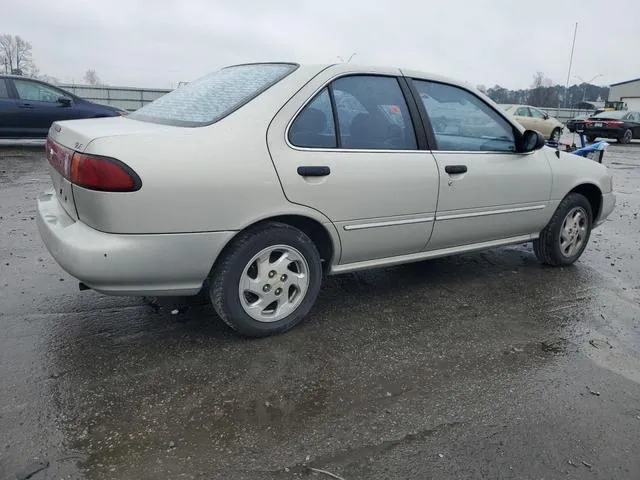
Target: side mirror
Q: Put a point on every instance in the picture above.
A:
(531, 140)
(64, 101)
(545, 115)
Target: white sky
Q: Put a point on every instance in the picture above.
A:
(157, 43)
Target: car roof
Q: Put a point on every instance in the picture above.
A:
(355, 68)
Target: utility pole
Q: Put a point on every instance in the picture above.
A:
(573, 46)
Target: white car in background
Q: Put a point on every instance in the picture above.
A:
(256, 180)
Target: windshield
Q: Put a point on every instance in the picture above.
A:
(213, 96)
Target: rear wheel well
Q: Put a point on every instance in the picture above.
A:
(312, 228)
(593, 194)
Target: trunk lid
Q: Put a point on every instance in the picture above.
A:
(77, 134)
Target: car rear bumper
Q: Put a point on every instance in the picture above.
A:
(604, 132)
(608, 204)
(116, 264)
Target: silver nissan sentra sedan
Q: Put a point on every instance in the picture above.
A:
(255, 181)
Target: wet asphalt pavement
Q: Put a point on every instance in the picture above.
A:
(480, 366)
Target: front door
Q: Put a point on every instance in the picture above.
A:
(38, 107)
(543, 124)
(488, 192)
(351, 152)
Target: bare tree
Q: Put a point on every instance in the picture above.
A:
(542, 93)
(15, 55)
(541, 80)
(91, 77)
(48, 79)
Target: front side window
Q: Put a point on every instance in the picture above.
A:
(36, 92)
(314, 125)
(535, 113)
(523, 112)
(213, 96)
(463, 122)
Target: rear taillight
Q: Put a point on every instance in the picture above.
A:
(93, 172)
(103, 173)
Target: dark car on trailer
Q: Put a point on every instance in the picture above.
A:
(28, 107)
(623, 125)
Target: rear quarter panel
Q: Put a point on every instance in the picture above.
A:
(214, 178)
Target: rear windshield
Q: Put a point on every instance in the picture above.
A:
(618, 114)
(213, 96)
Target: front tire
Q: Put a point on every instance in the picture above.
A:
(566, 236)
(555, 135)
(267, 281)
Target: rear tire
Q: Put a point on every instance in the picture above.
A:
(566, 235)
(267, 280)
(627, 136)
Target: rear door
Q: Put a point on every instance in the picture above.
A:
(348, 146)
(488, 191)
(524, 118)
(8, 110)
(38, 107)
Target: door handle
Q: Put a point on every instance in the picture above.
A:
(314, 171)
(453, 169)
(25, 105)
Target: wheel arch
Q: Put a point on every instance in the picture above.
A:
(593, 194)
(323, 235)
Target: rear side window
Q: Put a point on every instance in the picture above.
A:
(371, 111)
(213, 96)
(4, 91)
(314, 127)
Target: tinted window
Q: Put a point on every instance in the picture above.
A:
(372, 113)
(314, 126)
(4, 91)
(214, 96)
(463, 122)
(36, 92)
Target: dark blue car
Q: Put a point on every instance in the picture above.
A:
(28, 107)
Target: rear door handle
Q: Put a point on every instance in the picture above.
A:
(453, 169)
(314, 171)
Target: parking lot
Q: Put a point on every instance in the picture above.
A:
(480, 366)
